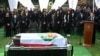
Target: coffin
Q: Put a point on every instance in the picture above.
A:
(39, 39)
(38, 43)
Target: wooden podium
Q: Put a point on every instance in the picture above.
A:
(88, 33)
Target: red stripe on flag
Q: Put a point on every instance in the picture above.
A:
(36, 45)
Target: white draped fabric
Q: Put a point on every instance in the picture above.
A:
(35, 38)
(73, 4)
(58, 3)
(97, 3)
(27, 4)
(43, 4)
(13, 4)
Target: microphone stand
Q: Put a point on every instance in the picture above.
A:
(80, 41)
(80, 35)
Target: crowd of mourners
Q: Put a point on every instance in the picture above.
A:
(24, 20)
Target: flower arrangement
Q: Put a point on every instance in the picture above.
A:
(49, 36)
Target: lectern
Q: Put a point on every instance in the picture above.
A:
(88, 33)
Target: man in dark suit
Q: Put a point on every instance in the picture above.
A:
(15, 23)
(33, 25)
(7, 24)
(97, 14)
(73, 21)
(52, 19)
(22, 22)
(27, 14)
(57, 22)
(44, 22)
(79, 22)
(68, 22)
(35, 16)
